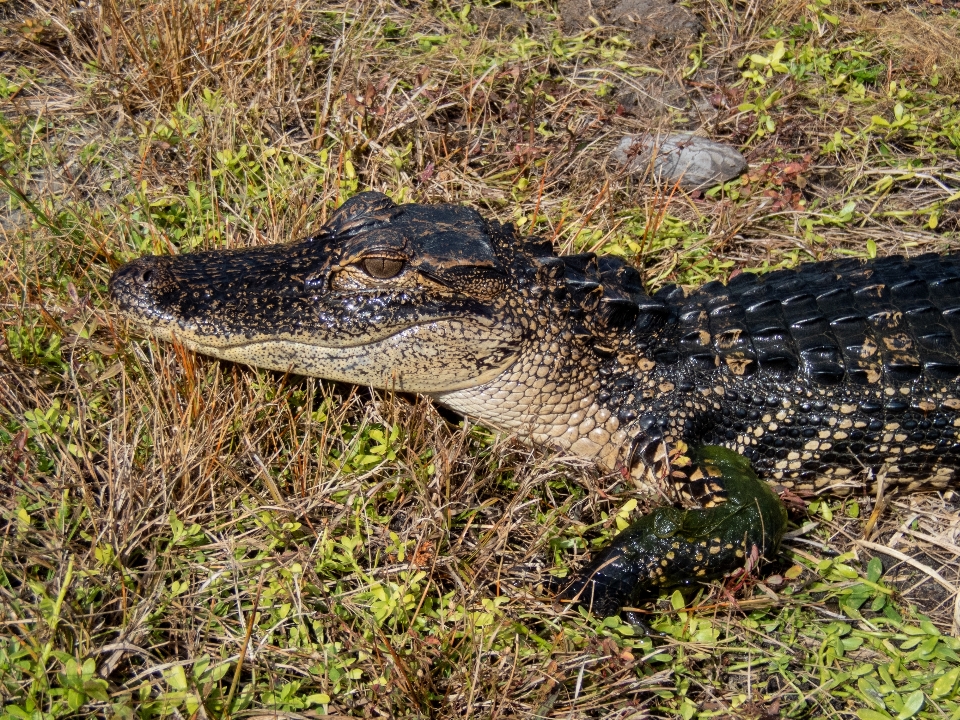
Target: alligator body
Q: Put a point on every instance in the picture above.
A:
(828, 378)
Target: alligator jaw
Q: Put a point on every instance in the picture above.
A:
(423, 358)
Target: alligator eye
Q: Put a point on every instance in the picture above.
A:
(382, 268)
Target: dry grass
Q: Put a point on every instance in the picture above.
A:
(166, 516)
(927, 45)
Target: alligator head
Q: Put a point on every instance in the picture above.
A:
(427, 299)
(403, 297)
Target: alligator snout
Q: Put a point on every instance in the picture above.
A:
(135, 286)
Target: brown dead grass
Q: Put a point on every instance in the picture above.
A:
(925, 44)
(158, 431)
(150, 55)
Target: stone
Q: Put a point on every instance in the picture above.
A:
(692, 161)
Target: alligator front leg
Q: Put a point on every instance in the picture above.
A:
(671, 546)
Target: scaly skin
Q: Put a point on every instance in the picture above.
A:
(671, 546)
(826, 379)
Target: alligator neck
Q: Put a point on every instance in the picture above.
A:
(558, 401)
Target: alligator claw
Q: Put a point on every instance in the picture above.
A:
(674, 547)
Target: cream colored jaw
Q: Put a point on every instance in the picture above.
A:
(214, 345)
(439, 356)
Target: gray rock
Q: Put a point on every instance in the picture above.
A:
(695, 162)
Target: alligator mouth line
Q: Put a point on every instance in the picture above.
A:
(443, 354)
(170, 330)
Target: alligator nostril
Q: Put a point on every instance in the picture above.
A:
(146, 275)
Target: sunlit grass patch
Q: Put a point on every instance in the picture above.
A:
(183, 537)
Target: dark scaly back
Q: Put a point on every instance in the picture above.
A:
(830, 371)
(608, 306)
(887, 322)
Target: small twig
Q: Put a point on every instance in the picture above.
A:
(243, 650)
(898, 535)
(403, 671)
(948, 546)
(536, 208)
(271, 485)
(910, 561)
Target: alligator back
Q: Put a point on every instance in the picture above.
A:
(824, 372)
(890, 321)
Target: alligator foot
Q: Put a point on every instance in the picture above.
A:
(671, 546)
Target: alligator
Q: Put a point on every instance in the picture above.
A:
(829, 378)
